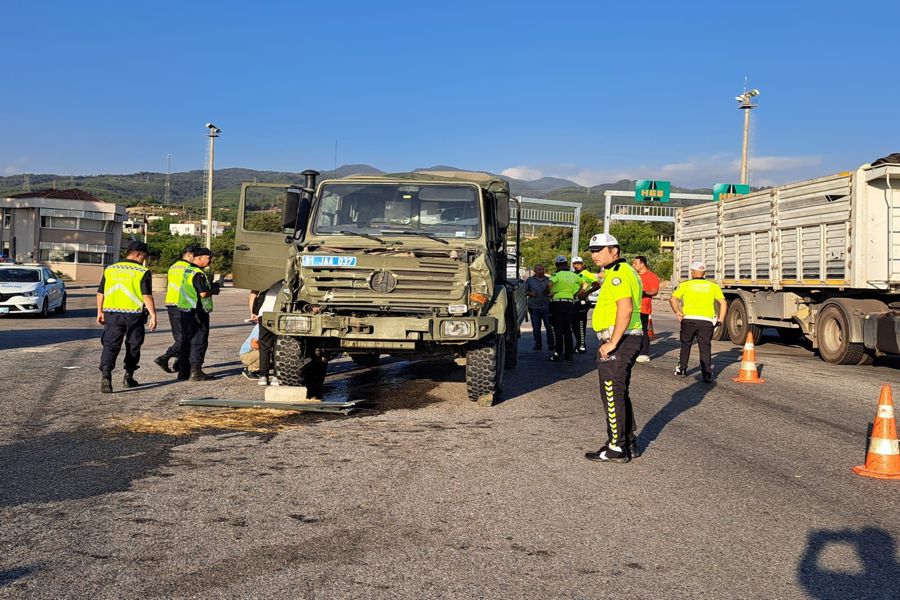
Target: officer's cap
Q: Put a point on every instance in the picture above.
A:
(138, 247)
(561, 259)
(202, 252)
(577, 259)
(602, 240)
(698, 265)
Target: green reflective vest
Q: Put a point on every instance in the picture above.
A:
(565, 285)
(620, 281)
(122, 287)
(175, 279)
(188, 295)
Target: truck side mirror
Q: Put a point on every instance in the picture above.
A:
(502, 212)
(305, 207)
(291, 208)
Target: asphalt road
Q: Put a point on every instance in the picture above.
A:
(742, 492)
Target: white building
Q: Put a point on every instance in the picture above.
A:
(196, 228)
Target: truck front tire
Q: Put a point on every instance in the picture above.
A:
(297, 364)
(485, 361)
(833, 338)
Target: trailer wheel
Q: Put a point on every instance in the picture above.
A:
(297, 364)
(833, 338)
(738, 325)
(720, 332)
(485, 361)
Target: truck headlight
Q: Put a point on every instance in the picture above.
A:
(460, 329)
(296, 324)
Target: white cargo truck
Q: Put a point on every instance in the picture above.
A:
(818, 259)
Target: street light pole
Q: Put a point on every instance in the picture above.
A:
(213, 134)
(746, 105)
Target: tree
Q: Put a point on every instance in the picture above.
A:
(635, 238)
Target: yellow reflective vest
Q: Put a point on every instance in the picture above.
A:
(175, 278)
(122, 287)
(188, 295)
(620, 281)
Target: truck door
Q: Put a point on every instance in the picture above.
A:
(260, 251)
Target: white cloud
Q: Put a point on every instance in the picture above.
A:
(780, 163)
(526, 173)
(10, 170)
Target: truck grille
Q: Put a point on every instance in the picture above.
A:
(430, 284)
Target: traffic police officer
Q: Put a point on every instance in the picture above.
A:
(195, 303)
(124, 305)
(697, 315)
(175, 278)
(564, 284)
(617, 321)
(582, 304)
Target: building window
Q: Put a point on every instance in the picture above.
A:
(67, 256)
(7, 218)
(59, 222)
(91, 258)
(95, 225)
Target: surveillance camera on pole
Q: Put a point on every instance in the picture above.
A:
(746, 105)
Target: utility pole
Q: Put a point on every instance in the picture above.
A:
(746, 105)
(167, 196)
(213, 134)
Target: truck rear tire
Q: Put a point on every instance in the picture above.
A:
(833, 338)
(485, 360)
(737, 322)
(364, 359)
(297, 364)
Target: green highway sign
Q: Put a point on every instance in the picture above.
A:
(724, 191)
(646, 189)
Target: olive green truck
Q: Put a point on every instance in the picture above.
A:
(411, 265)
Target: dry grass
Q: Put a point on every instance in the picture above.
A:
(260, 420)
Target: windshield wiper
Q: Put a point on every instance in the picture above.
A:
(430, 236)
(368, 236)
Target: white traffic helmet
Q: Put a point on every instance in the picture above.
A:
(602, 240)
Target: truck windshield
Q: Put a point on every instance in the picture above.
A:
(444, 211)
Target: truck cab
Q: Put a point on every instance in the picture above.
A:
(411, 265)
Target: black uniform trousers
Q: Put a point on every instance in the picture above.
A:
(266, 350)
(645, 339)
(579, 322)
(116, 328)
(615, 379)
(194, 340)
(175, 322)
(703, 331)
(561, 322)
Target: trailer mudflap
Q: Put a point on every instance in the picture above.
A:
(881, 332)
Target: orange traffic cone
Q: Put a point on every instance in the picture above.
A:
(650, 333)
(883, 457)
(748, 372)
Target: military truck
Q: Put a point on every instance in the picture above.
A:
(818, 259)
(411, 265)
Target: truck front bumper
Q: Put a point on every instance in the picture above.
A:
(382, 332)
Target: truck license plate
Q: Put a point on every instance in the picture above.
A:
(312, 260)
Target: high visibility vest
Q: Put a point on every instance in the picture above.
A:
(188, 297)
(620, 281)
(175, 277)
(565, 285)
(122, 287)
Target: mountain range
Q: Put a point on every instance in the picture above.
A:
(189, 187)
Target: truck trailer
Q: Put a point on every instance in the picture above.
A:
(818, 259)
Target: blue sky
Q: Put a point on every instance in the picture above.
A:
(591, 91)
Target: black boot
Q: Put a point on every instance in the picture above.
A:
(198, 375)
(633, 449)
(163, 363)
(106, 383)
(130, 381)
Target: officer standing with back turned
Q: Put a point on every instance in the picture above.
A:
(617, 322)
(124, 305)
(564, 284)
(175, 277)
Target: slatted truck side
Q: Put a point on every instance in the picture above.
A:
(818, 259)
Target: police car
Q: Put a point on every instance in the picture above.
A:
(30, 289)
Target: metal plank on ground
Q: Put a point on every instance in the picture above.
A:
(326, 407)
